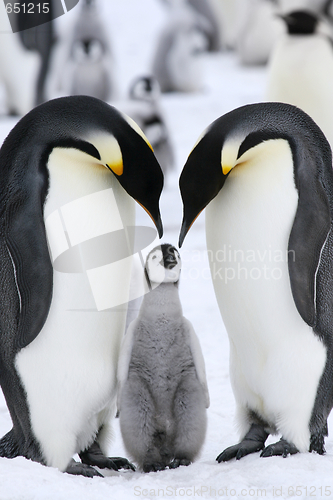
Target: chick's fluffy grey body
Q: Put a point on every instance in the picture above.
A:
(162, 403)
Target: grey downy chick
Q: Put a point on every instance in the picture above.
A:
(163, 392)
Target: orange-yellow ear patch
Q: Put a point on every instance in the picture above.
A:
(113, 156)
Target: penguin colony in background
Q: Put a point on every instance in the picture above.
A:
(73, 162)
(301, 69)
(264, 171)
(163, 392)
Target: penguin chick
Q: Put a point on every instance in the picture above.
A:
(90, 61)
(300, 69)
(176, 64)
(162, 382)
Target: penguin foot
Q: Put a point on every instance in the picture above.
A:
(253, 441)
(179, 461)
(94, 456)
(78, 469)
(149, 467)
(8, 445)
(282, 447)
(317, 442)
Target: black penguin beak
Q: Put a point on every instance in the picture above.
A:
(156, 218)
(186, 226)
(159, 225)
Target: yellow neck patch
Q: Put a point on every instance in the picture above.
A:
(229, 155)
(114, 156)
(109, 150)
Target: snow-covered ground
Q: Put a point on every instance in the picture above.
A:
(133, 25)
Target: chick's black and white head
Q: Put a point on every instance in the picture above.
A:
(163, 264)
(145, 88)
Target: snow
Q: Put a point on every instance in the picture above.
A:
(133, 26)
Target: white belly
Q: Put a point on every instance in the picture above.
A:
(69, 370)
(275, 359)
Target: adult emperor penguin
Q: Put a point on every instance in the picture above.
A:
(162, 382)
(301, 68)
(265, 172)
(70, 170)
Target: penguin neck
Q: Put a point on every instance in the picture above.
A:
(163, 301)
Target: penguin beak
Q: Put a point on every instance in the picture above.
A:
(185, 227)
(156, 219)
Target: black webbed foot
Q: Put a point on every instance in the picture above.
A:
(253, 441)
(179, 461)
(79, 469)
(153, 467)
(317, 441)
(94, 456)
(282, 447)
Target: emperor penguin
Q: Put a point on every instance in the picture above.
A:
(264, 171)
(259, 28)
(70, 172)
(163, 392)
(25, 58)
(89, 65)
(176, 62)
(210, 28)
(300, 70)
(144, 106)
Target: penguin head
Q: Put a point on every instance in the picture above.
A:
(163, 264)
(87, 50)
(145, 88)
(301, 22)
(110, 138)
(231, 140)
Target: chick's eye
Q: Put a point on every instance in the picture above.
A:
(154, 257)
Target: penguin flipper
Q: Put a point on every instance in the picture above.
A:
(28, 273)
(198, 359)
(307, 238)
